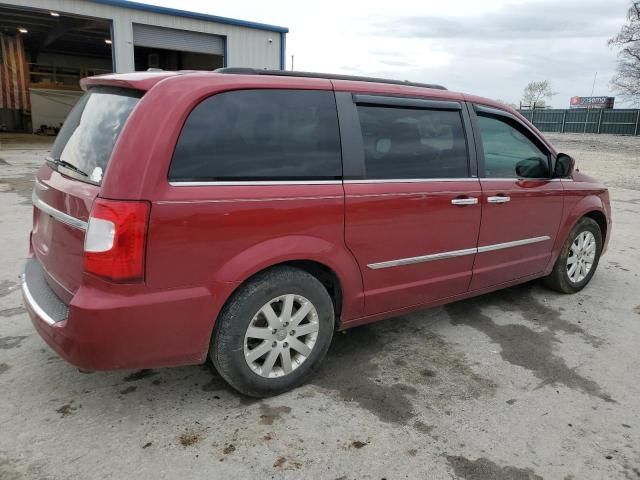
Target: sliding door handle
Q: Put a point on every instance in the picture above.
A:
(464, 201)
(498, 199)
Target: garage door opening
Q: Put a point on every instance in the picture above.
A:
(146, 57)
(43, 56)
(171, 49)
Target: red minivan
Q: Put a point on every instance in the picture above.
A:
(246, 215)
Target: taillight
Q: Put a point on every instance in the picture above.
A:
(115, 240)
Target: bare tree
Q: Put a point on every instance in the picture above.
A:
(627, 78)
(509, 104)
(535, 93)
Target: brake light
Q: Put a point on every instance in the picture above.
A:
(114, 245)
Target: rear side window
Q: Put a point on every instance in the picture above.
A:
(260, 135)
(89, 133)
(405, 143)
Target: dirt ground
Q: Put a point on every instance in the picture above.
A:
(611, 158)
(519, 384)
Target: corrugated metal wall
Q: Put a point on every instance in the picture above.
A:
(172, 39)
(245, 47)
(615, 121)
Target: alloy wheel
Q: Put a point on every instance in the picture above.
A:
(582, 254)
(281, 336)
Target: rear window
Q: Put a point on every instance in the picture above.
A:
(89, 133)
(260, 135)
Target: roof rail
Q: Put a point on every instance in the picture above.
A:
(329, 76)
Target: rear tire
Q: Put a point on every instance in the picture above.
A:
(274, 332)
(578, 258)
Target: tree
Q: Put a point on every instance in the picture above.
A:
(626, 81)
(535, 93)
(509, 104)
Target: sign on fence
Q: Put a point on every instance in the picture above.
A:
(592, 102)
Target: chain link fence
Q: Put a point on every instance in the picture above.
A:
(616, 122)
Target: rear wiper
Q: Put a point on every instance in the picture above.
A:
(68, 165)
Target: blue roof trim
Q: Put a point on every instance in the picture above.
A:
(195, 15)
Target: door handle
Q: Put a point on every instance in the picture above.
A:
(498, 199)
(464, 201)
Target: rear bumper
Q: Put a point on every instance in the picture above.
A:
(39, 297)
(109, 327)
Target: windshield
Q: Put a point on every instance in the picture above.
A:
(89, 133)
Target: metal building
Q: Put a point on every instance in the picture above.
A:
(47, 46)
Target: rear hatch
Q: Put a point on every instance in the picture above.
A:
(67, 185)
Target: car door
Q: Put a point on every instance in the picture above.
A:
(412, 212)
(521, 203)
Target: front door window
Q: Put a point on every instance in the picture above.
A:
(508, 152)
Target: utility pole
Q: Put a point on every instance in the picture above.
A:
(292, 62)
(593, 87)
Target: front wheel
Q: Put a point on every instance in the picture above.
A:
(273, 333)
(578, 258)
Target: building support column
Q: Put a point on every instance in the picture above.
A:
(123, 45)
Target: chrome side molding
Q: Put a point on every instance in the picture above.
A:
(413, 180)
(515, 243)
(456, 253)
(185, 183)
(423, 258)
(57, 214)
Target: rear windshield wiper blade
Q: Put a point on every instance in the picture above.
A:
(68, 165)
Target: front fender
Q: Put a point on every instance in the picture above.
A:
(299, 247)
(575, 209)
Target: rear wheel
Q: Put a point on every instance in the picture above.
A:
(578, 258)
(273, 333)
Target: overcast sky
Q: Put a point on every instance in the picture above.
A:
(491, 48)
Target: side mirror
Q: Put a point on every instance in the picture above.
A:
(533, 167)
(564, 166)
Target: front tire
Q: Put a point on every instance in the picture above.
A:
(274, 332)
(578, 258)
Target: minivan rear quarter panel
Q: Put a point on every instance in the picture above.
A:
(236, 231)
(261, 224)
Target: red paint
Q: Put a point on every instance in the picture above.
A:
(387, 221)
(535, 210)
(203, 242)
(59, 247)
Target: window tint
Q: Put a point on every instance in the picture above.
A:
(404, 143)
(89, 133)
(508, 153)
(260, 135)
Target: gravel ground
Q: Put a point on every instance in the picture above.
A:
(612, 158)
(519, 384)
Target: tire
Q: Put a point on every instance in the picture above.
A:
(560, 279)
(262, 303)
